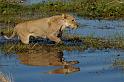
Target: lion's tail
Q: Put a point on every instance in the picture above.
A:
(14, 33)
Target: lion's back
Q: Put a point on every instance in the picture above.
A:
(39, 27)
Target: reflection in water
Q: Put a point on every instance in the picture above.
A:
(65, 70)
(48, 56)
(95, 66)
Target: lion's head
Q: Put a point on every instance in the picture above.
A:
(70, 21)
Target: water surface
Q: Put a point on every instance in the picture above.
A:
(41, 1)
(47, 65)
(99, 28)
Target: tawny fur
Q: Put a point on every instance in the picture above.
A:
(45, 28)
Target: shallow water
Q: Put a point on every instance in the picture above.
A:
(46, 65)
(108, 29)
(40, 1)
(99, 28)
(96, 28)
(34, 1)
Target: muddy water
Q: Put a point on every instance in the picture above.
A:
(51, 65)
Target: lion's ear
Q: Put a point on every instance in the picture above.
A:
(64, 16)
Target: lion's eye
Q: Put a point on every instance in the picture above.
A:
(72, 20)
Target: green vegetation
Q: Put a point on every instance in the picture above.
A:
(7, 30)
(19, 47)
(101, 8)
(9, 12)
(87, 42)
(15, 12)
(12, 13)
(118, 63)
(85, 8)
(98, 43)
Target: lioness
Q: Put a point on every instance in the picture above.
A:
(45, 28)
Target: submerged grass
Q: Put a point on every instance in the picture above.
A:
(119, 63)
(8, 31)
(11, 48)
(87, 42)
(84, 42)
(104, 43)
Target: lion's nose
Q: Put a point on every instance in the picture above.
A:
(77, 25)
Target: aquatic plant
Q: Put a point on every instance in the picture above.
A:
(119, 63)
(70, 43)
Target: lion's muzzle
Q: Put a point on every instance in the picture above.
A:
(75, 26)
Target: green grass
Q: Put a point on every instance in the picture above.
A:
(13, 13)
(101, 9)
(11, 47)
(87, 42)
(7, 30)
(86, 8)
(104, 43)
(118, 63)
(107, 9)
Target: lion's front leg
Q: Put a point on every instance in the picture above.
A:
(54, 38)
(59, 35)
